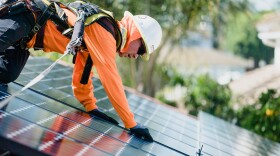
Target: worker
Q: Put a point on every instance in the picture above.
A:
(102, 39)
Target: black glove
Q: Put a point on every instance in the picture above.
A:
(141, 132)
(103, 116)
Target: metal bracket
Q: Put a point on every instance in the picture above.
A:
(199, 151)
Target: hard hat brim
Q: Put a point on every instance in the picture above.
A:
(145, 56)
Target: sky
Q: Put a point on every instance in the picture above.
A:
(262, 5)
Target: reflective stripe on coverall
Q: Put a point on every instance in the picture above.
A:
(102, 49)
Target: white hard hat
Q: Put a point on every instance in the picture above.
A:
(150, 31)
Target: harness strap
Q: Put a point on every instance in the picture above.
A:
(60, 18)
(105, 24)
(88, 66)
(60, 24)
(48, 10)
(42, 4)
(4, 11)
(39, 43)
(87, 70)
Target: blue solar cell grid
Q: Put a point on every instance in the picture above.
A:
(223, 138)
(48, 119)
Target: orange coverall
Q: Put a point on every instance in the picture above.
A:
(102, 50)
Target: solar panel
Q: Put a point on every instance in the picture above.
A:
(73, 124)
(223, 138)
(47, 119)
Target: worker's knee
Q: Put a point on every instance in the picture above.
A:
(7, 77)
(14, 27)
(12, 61)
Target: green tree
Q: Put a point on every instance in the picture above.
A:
(207, 95)
(220, 15)
(262, 117)
(203, 93)
(246, 43)
(252, 47)
(173, 78)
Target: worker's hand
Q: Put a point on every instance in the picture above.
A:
(103, 116)
(141, 132)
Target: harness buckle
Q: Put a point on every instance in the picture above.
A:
(36, 28)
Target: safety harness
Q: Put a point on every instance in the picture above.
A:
(86, 14)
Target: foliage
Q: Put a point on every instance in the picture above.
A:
(221, 14)
(207, 95)
(252, 47)
(161, 97)
(262, 117)
(172, 79)
(171, 76)
(203, 93)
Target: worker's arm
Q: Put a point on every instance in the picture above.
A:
(54, 41)
(102, 47)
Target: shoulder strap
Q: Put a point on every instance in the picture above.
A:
(51, 11)
(39, 42)
(87, 70)
(47, 10)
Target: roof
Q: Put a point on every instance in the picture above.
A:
(270, 22)
(197, 57)
(253, 83)
(47, 120)
(268, 28)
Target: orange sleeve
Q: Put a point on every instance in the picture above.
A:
(83, 92)
(102, 48)
(54, 41)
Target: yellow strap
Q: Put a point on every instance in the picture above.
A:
(108, 12)
(46, 2)
(93, 17)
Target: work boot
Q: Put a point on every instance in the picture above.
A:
(103, 116)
